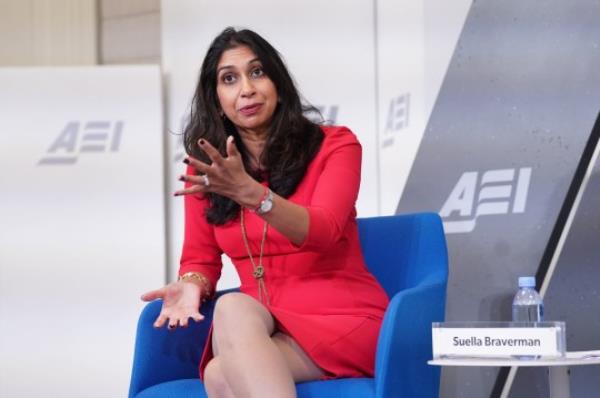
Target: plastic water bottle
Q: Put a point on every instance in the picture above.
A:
(527, 305)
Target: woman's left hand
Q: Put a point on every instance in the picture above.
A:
(226, 176)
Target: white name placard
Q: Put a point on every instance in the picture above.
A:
(543, 341)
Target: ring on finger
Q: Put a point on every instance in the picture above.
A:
(206, 180)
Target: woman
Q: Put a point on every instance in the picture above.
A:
(276, 193)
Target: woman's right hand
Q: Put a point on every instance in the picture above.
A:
(181, 301)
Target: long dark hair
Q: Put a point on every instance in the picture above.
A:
(293, 139)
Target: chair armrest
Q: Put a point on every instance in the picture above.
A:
(161, 355)
(404, 345)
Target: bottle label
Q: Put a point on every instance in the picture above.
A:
(498, 342)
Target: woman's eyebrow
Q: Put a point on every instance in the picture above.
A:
(224, 67)
(232, 67)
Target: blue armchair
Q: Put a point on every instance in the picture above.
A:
(406, 253)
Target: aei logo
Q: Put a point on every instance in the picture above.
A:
(397, 118)
(78, 138)
(498, 192)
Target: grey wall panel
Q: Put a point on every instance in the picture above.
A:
(573, 296)
(512, 117)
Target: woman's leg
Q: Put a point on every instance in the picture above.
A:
(214, 380)
(254, 361)
(299, 364)
(250, 361)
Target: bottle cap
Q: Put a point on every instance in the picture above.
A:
(526, 281)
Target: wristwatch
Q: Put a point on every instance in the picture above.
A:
(266, 204)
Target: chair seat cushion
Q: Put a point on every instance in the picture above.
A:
(338, 388)
(184, 388)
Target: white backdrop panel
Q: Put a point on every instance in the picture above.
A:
(401, 78)
(82, 231)
(415, 41)
(329, 48)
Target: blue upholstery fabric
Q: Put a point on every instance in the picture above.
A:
(182, 388)
(406, 253)
(192, 388)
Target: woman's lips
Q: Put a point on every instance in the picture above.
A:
(250, 110)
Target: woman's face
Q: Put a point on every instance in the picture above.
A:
(246, 94)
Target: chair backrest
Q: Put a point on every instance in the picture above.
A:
(405, 250)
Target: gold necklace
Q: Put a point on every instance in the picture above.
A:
(257, 271)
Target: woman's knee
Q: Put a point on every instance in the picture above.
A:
(239, 311)
(237, 318)
(214, 379)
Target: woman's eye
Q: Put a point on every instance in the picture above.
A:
(228, 78)
(257, 72)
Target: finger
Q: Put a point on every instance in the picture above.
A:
(192, 190)
(192, 180)
(183, 322)
(172, 324)
(210, 150)
(160, 321)
(200, 166)
(154, 294)
(198, 317)
(231, 147)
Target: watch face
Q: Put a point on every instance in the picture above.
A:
(266, 205)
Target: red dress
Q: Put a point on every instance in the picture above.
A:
(320, 293)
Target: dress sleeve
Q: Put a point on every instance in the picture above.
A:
(334, 197)
(200, 253)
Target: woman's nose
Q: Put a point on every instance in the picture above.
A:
(247, 87)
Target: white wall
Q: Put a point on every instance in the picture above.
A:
(82, 225)
(129, 31)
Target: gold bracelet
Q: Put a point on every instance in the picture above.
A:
(206, 286)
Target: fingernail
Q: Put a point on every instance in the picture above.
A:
(176, 194)
(201, 141)
(181, 178)
(186, 161)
